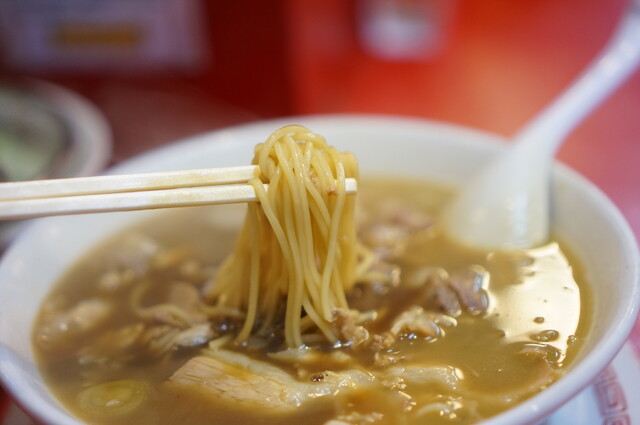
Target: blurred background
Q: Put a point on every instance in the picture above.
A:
(160, 70)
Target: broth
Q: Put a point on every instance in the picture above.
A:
(454, 335)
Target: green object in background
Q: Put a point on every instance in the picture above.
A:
(24, 160)
(32, 138)
(47, 132)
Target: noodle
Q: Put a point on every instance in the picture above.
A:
(298, 242)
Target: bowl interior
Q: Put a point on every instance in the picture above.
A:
(583, 217)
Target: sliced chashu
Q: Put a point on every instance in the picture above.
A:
(246, 382)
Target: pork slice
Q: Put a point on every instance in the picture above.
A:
(231, 383)
(244, 382)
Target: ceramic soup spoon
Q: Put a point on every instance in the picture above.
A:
(507, 206)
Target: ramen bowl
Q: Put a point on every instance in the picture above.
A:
(599, 237)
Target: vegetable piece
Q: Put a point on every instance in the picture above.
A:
(113, 398)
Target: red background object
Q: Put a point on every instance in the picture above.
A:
(502, 63)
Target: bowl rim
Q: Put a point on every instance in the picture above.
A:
(537, 407)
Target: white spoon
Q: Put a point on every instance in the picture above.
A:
(507, 205)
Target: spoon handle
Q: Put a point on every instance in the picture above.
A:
(507, 205)
(614, 64)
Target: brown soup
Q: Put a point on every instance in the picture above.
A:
(444, 335)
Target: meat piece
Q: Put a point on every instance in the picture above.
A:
(382, 342)
(193, 271)
(419, 322)
(420, 276)
(114, 280)
(406, 216)
(130, 261)
(245, 383)
(347, 324)
(84, 317)
(194, 336)
(168, 314)
(449, 407)
(382, 273)
(469, 286)
(356, 419)
(184, 295)
(334, 359)
(451, 294)
(425, 375)
(440, 296)
(183, 307)
(115, 348)
(414, 322)
(394, 383)
(396, 223)
(135, 253)
(375, 280)
(384, 359)
(169, 258)
(159, 339)
(187, 297)
(387, 239)
(111, 347)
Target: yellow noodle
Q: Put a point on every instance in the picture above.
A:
(254, 275)
(296, 254)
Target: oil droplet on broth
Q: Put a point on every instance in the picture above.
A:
(545, 336)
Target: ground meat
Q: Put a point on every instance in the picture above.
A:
(380, 342)
(347, 324)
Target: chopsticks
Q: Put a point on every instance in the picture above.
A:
(130, 192)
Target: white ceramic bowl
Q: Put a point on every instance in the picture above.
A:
(583, 217)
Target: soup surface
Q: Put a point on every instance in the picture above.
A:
(443, 334)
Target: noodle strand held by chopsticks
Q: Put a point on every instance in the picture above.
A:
(296, 255)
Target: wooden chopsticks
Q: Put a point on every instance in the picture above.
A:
(130, 192)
